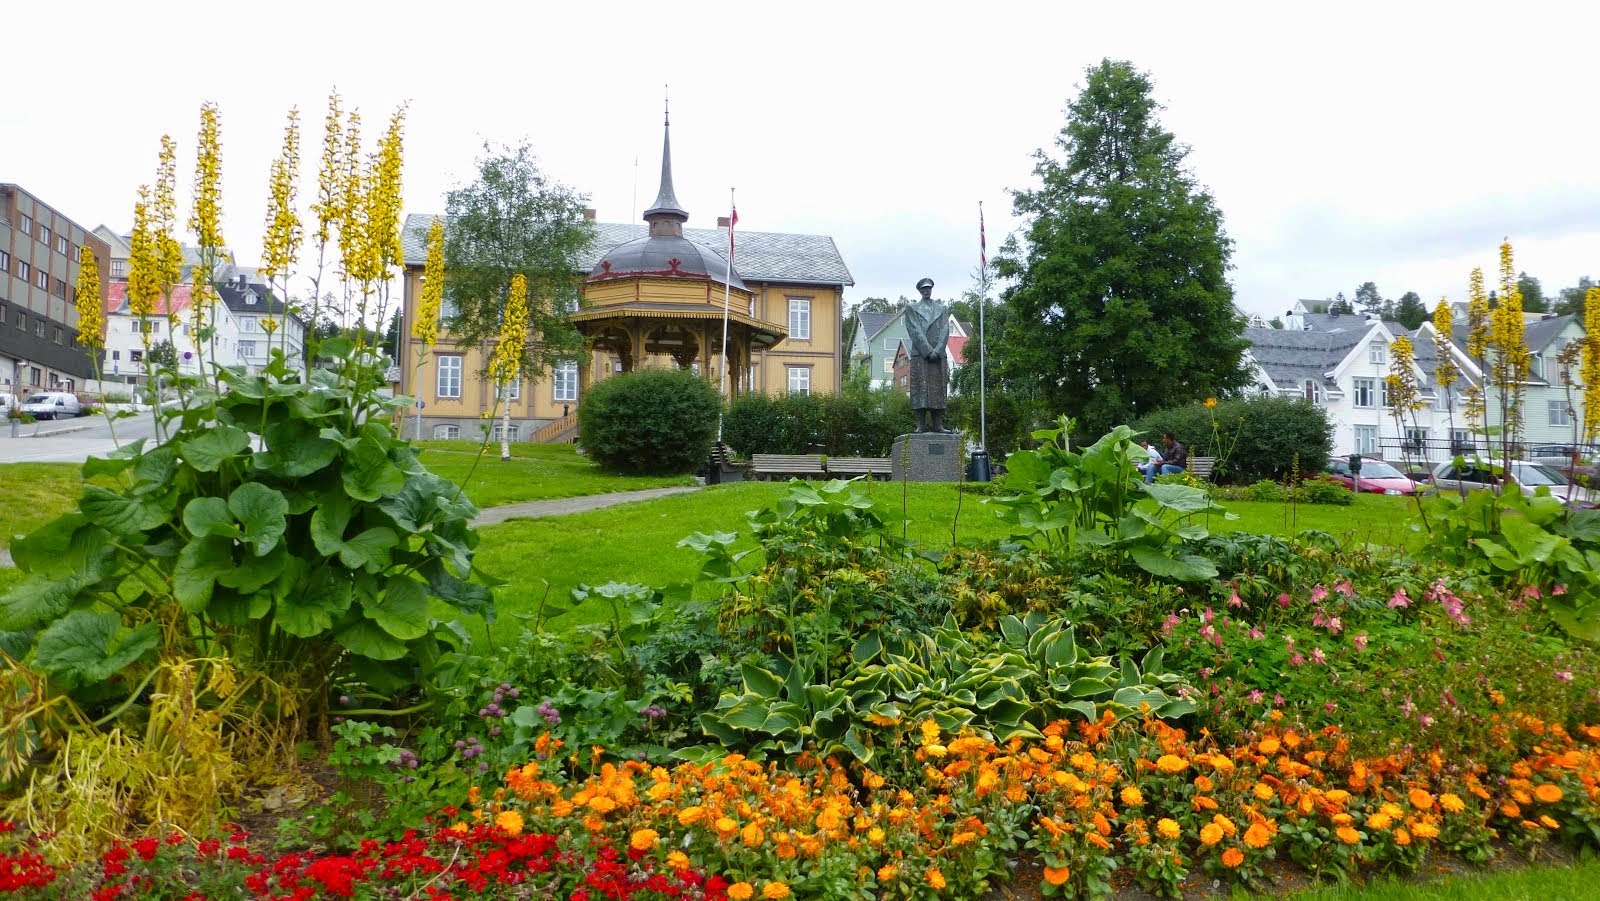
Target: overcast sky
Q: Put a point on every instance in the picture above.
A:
(1396, 142)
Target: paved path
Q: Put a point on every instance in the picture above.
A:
(564, 505)
(532, 509)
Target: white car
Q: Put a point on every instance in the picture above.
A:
(52, 405)
(8, 405)
(1530, 477)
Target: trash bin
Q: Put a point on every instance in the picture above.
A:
(979, 466)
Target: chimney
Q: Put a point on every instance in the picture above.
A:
(722, 222)
(588, 214)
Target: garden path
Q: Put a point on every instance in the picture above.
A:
(531, 509)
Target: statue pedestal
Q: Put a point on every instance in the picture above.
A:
(926, 457)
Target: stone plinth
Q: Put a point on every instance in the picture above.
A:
(926, 457)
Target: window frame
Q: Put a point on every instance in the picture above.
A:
(1363, 392)
(800, 315)
(1366, 439)
(805, 386)
(450, 430)
(1378, 353)
(27, 229)
(515, 432)
(1555, 407)
(439, 381)
(44, 234)
(564, 382)
(1311, 390)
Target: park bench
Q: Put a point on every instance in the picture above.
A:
(770, 466)
(1200, 467)
(848, 467)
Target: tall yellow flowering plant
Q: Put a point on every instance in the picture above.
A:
(284, 232)
(1508, 369)
(1405, 400)
(1591, 364)
(205, 220)
(426, 327)
(505, 361)
(91, 311)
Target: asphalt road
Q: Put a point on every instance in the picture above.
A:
(71, 440)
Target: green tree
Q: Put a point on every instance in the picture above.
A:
(1533, 300)
(1410, 310)
(1368, 299)
(1119, 301)
(1341, 306)
(875, 305)
(1571, 302)
(514, 218)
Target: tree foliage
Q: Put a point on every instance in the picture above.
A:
(1368, 298)
(1533, 300)
(1252, 438)
(650, 421)
(1571, 301)
(515, 219)
(1119, 300)
(1410, 311)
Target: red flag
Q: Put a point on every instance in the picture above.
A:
(732, 221)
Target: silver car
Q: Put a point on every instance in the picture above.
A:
(1477, 474)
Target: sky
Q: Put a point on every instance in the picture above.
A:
(1391, 142)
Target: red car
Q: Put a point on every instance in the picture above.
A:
(1377, 477)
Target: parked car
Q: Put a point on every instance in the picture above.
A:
(52, 405)
(1377, 477)
(8, 405)
(1530, 477)
(1562, 456)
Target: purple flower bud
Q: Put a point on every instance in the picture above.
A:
(460, 744)
(494, 731)
(483, 711)
(344, 700)
(506, 686)
(483, 767)
(513, 693)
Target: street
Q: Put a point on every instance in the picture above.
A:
(72, 440)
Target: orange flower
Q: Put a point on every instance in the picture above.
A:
(510, 821)
(644, 839)
(1204, 783)
(1420, 799)
(775, 891)
(1171, 764)
(1210, 834)
(1057, 875)
(1452, 803)
(1232, 857)
(1257, 836)
(1548, 821)
(1269, 746)
(1380, 821)
(752, 836)
(690, 815)
(1548, 794)
(1168, 828)
(887, 872)
(1348, 835)
(741, 891)
(934, 878)
(1262, 791)
(1211, 404)
(678, 860)
(1132, 797)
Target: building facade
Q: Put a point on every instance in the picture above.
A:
(39, 253)
(652, 295)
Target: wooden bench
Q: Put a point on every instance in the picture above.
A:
(847, 467)
(1200, 467)
(770, 466)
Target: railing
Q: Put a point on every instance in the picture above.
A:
(1438, 450)
(553, 431)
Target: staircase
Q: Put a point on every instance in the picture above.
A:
(561, 431)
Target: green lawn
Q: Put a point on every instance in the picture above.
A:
(34, 494)
(1545, 882)
(535, 472)
(638, 542)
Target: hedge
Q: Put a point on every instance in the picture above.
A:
(1253, 438)
(650, 422)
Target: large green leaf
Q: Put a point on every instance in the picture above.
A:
(369, 550)
(329, 523)
(1179, 568)
(310, 609)
(87, 648)
(154, 471)
(207, 451)
(296, 448)
(37, 600)
(67, 545)
(261, 511)
(118, 514)
(760, 681)
(209, 516)
(200, 562)
(368, 473)
(253, 573)
(403, 609)
(367, 638)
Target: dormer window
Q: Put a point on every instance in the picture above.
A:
(250, 298)
(1313, 392)
(1377, 353)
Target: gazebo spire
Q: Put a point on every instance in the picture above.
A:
(665, 216)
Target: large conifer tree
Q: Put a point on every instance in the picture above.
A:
(1120, 303)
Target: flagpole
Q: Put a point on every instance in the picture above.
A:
(727, 292)
(983, 301)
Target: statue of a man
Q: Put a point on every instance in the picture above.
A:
(928, 323)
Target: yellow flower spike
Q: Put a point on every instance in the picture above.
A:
(426, 328)
(1591, 363)
(505, 360)
(326, 208)
(91, 311)
(205, 220)
(144, 276)
(1477, 315)
(283, 232)
(164, 209)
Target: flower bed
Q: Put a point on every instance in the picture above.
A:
(1100, 804)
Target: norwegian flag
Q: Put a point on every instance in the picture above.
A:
(732, 221)
(983, 242)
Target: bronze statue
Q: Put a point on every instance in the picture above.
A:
(928, 324)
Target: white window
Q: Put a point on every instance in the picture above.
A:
(1441, 401)
(119, 268)
(247, 348)
(1366, 439)
(448, 311)
(888, 364)
(564, 379)
(1313, 391)
(44, 235)
(23, 270)
(1365, 391)
(27, 229)
(447, 431)
(249, 324)
(1461, 442)
(5, 261)
(1559, 414)
(511, 390)
(1536, 365)
(1385, 397)
(1416, 440)
(61, 244)
(510, 434)
(800, 318)
(751, 384)
(449, 376)
(42, 279)
(799, 380)
(752, 306)
(1377, 353)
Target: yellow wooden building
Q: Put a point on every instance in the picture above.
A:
(653, 296)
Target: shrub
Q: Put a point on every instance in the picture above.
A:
(1325, 491)
(1264, 490)
(857, 423)
(1253, 438)
(650, 422)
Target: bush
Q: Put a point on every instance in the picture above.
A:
(860, 423)
(1264, 490)
(1325, 491)
(650, 422)
(1253, 438)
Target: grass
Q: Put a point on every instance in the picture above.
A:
(34, 494)
(1541, 882)
(535, 472)
(638, 542)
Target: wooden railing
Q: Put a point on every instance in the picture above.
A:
(559, 430)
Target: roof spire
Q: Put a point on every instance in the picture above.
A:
(665, 216)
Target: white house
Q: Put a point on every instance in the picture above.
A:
(251, 305)
(126, 345)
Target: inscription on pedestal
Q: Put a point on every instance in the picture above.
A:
(926, 457)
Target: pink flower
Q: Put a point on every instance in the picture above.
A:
(1531, 592)
(1256, 632)
(1318, 594)
(1330, 707)
(1564, 675)
(1345, 589)
(1208, 616)
(1284, 600)
(1277, 700)
(1235, 601)
(1296, 660)
(1317, 655)
(1559, 590)
(1335, 625)
(1170, 624)
(1400, 599)
(1408, 708)
(1361, 641)
(1427, 720)
(1255, 696)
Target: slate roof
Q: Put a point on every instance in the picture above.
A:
(872, 323)
(266, 304)
(1538, 335)
(1290, 358)
(760, 256)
